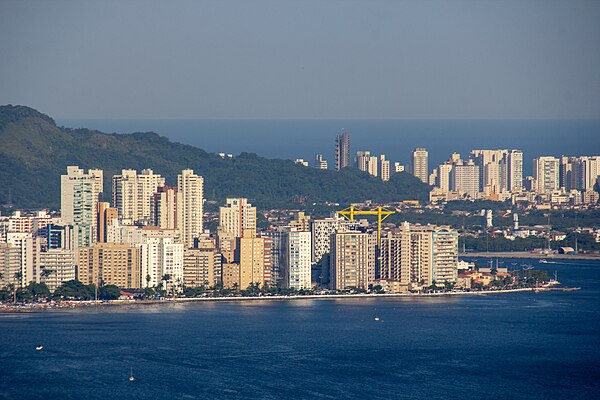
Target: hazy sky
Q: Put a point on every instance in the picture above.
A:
(302, 59)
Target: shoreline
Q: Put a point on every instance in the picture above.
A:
(58, 306)
(526, 254)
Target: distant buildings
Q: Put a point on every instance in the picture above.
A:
(420, 158)
(342, 151)
(320, 163)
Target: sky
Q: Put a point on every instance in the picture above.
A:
(304, 59)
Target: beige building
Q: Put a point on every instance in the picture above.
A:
(417, 255)
(237, 216)
(191, 189)
(384, 168)
(201, 267)
(254, 259)
(106, 217)
(166, 208)
(352, 261)
(421, 164)
(111, 264)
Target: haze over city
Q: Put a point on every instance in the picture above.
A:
(302, 59)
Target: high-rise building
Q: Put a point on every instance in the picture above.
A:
(106, 216)
(237, 216)
(295, 265)
(133, 192)
(320, 163)
(165, 208)
(321, 230)
(160, 257)
(342, 151)
(515, 170)
(352, 260)
(417, 255)
(30, 248)
(110, 264)
(421, 164)
(546, 172)
(443, 177)
(79, 201)
(384, 168)
(191, 189)
(254, 259)
(464, 179)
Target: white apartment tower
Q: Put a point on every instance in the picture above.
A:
(133, 192)
(384, 168)
(79, 202)
(295, 265)
(421, 164)
(546, 172)
(191, 188)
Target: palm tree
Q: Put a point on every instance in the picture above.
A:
(166, 278)
(148, 279)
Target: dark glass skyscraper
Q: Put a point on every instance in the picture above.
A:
(342, 151)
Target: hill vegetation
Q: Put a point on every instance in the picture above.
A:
(34, 152)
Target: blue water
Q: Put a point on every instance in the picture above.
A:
(291, 139)
(515, 346)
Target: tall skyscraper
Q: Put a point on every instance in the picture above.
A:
(342, 151)
(191, 188)
(421, 164)
(133, 192)
(546, 172)
(79, 202)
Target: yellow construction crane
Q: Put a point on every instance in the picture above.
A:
(381, 213)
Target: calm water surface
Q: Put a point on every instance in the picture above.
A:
(516, 346)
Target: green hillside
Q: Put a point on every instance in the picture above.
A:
(34, 152)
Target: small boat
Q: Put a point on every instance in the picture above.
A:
(131, 378)
(39, 347)
(377, 319)
(543, 261)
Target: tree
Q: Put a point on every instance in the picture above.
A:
(109, 292)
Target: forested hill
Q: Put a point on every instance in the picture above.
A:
(34, 152)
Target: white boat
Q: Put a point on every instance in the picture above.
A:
(40, 347)
(131, 378)
(377, 319)
(543, 261)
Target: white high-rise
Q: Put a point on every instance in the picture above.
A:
(421, 164)
(515, 170)
(133, 192)
(546, 172)
(79, 202)
(191, 188)
(295, 265)
(384, 168)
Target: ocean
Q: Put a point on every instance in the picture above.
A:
(292, 139)
(513, 346)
